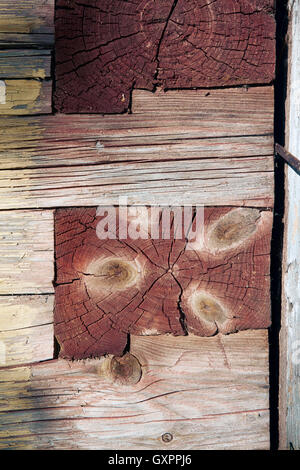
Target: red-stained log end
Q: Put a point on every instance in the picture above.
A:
(107, 289)
(106, 48)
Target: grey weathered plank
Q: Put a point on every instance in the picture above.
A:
(229, 181)
(231, 103)
(25, 63)
(26, 22)
(209, 393)
(290, 331)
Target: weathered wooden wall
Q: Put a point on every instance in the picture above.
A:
(206, 146)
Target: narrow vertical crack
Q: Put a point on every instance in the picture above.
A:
(161, 39)
(182, 317)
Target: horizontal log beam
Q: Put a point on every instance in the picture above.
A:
(27, 252)
(216, 150)
(25, 97)
(26, 329)
(79, 405)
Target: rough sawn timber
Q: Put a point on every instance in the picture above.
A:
(105, 49)
(208, 393)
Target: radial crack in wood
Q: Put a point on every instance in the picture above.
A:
(143, 279)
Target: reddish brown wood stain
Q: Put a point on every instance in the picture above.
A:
(106, 48)
(107, 289)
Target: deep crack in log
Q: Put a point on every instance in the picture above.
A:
(105, 49)
(107, 289)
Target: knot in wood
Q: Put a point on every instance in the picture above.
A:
(125, 370)
(115, 273)
(233, 228)
(208, 308)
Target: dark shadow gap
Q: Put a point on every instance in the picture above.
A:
(277, 236)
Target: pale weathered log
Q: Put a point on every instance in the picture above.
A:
(213, 152)
(289, 415)
(160, 118)
(208, 393)
(25, 311)
(26, 329)
(116, 146)
(27, 252)
(26, 22)
(222, 105)
(25, 63)
(235, 181)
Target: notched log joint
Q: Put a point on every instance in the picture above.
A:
(106, 49)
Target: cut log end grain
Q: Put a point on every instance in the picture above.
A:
(109, 288)
(106, 49)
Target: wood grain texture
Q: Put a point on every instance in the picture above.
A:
(26, 329)
(25, 97)
(211, 153)
(160, 118)
(144, 284)
(26, 22)
(23, 63)
(221, 105)
(27, 252)
(209, 393)
(25, 311)
(104, 50)
(238, 182)
(289, 431)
